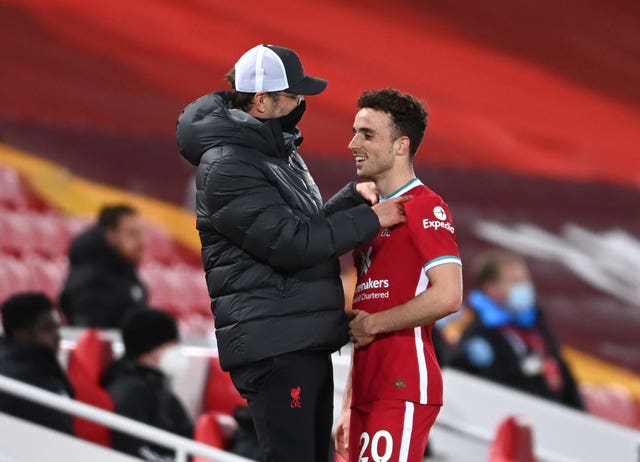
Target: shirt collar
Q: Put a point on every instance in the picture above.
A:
(403, 189)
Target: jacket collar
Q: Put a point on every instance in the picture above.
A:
(209, 122)
(41, 360)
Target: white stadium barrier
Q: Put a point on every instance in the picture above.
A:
(473, 409)
(23, 441)
(464, 431)
(560, 434)
(183, 447)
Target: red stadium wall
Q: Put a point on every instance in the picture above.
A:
(550, 90)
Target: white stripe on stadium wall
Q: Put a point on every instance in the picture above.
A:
(608, 261)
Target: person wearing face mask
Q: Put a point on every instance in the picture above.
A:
(139, 382)
(271, 248)
(508, 341)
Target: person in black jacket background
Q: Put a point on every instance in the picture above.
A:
(28, 353)
(138, 383)
(509, 341)
(270, 248)
(102, 284)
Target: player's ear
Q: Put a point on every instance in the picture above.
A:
(402, 146)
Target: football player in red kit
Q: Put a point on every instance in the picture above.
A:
(409, 276)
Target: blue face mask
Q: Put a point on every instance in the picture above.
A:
(521, 297)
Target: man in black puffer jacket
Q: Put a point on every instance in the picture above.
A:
(28, 353)
(103, 284)
(139, 383)
(270, 249)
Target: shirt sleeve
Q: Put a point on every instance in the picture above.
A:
(432, 231)
(249, 209)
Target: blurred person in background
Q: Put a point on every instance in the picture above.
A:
(508, 340)
(139, 382)
(270, 248)
(103, 284)
(28, 353)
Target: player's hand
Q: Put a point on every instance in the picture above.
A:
(391, 211)
(368, 191)
(360, 329)
(341, 435)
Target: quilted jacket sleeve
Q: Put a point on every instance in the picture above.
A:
(250, 211)
(344, 199)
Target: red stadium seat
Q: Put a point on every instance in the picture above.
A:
(196, 285)
(513, 442)
(13, 193)
(159, 246)
(52, 234)
(75, 225)
(32, 273)
(86, 365)
(614, 403)
(15, 275)
(47, 275)
(92, 354)
(181, 290)
(161, 287)
(16, 233)
(190, 289)
(209, 432)
(6, 286)
(26, 232)
(220, 394)
(196, 323)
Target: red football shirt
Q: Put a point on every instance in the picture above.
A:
(392, 269)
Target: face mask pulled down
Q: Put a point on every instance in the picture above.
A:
(289, 122)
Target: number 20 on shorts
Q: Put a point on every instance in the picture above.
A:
(376, 443)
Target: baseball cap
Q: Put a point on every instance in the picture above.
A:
(271, 68)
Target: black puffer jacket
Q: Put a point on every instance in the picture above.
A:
(269, 248)
(101, 286)
(37, 366)
(142, 394)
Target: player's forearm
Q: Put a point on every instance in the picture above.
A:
(346, 399)
(424, 309)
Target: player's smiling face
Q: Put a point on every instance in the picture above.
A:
(373, 144)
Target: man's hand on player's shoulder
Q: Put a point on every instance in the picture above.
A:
(368, 191)
(391, 211)
(361, 329)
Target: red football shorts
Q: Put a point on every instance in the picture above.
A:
(390, 431)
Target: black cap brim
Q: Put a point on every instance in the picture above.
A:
(308, 86)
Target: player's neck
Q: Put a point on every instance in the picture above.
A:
(393, 181)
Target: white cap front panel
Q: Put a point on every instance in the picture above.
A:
(260, 69)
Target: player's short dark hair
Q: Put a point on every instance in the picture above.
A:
(488, 264)
(242, 100)
(110, 215)
(22, 311)
(407, 113)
